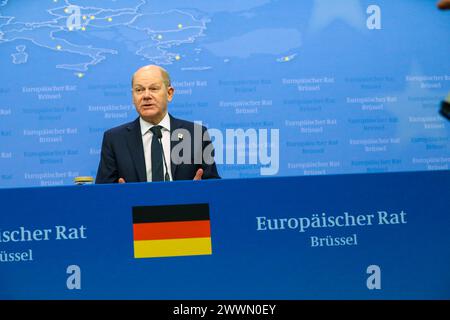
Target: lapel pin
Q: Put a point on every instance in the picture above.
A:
(180, 136)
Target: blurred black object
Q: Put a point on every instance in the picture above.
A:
(445, 109)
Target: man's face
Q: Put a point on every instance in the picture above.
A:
(150, 94)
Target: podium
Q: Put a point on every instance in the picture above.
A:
(372, 236)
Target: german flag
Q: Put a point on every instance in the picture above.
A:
(168, 231)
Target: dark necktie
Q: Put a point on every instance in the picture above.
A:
(157, 161)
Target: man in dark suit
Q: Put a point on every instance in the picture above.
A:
(155, 146)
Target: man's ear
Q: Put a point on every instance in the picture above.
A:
(170, 92)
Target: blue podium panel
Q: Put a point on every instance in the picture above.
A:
(376, 236)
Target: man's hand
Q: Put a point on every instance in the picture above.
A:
(199, 174)
(121, 180)
(444, 4)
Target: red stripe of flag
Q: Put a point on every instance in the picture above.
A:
(171, 230)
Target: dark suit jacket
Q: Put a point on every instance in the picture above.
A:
(122, 154)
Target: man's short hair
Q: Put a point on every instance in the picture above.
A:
(165, 77)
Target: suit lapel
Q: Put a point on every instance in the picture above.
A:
(136, 149)
(174, 125)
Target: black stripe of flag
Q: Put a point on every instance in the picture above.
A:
(184, 212)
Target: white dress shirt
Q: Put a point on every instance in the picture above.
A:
(147, 136)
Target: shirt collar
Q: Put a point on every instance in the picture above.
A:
(145, 126)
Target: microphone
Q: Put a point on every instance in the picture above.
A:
(159, 136)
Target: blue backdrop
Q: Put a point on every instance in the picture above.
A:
(352, 86)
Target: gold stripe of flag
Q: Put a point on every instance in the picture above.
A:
(172, 247)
